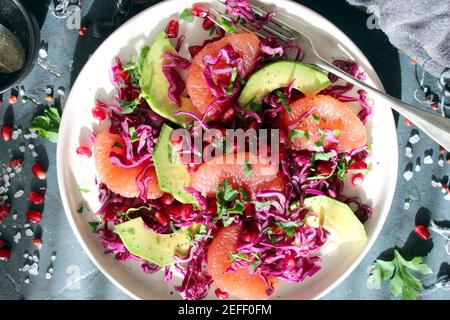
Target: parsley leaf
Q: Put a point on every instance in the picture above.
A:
(315, 117)
(283, 100)
(84, 190)
(324, 156)
(397, 271)
(226, 25)
(262, 205)
(226, 196)
(296, 134)
(248, 169)
(47, 125)
(129, 106)
(80, 208)
(94, 225)
(186, 15)
(133, 135)
(232, 80)
(337, 132)
(322, 138)
(289, 227)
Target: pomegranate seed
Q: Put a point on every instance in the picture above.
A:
(357, 179)
(212, 208)
(34, 216)
(6, 132)
(37, 242)
(357, 165)
(229, 114)
(221, 294)
(290, 262)
(197, 12)
(442, 150)
(172, 28)
(2, 243)
(4, 211)
(324, 168)
(194, 50)
(82, 31)
(16, 163)
(167, 199)
(39, 171)
(84, 152)
(283, 137)
(12, 100)
(36, 198)
(413, 62)
(162, 218)
(185, 211)
(208, 23)
(408, 122)
(5, 254)
(98, 113)
(249, 210)
(422, 232)
(249, 231)
(434, 107)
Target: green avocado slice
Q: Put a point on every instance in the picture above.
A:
(337, 218)
(308, 79)
(155, 247)
(155, 87)
(172, 175)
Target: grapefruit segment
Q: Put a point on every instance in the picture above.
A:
(240, 282)
(121, 180)
(245, 44)
(332, 114)
(264, 175)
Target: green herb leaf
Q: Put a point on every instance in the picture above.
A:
(283, 100)
(315, 117)
(245, 195)
(322, 138)
(262, 205)
(238, 255)
(94, 225)
(296, 134)
(80, 208)
(248, 169)
(323, 156)
(337, 132)
(117, 145)
(47, 125)
(133, 135)
(186, 15)
(289, 227)
(397, 271)
(84, 190)
(230, 88)
(226, 24)
(225, 196)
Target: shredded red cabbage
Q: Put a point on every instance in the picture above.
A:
(243, 9)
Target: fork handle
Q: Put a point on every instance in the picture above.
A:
(436, 127)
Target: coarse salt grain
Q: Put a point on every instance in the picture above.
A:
(22, 149)
(14, 216)
(51, 270)
(408, 175)
(26, 268)
(35, 258)
(417, 168)
(441, 161)
(48, 276)
(408, 151)
(414, 139)
(406, 204)
(12, 175)
(15, 135)
(29, 233)
(31, 146)
(428, 160)
(18, 194)
(34, 270)
(34, 154)
(25, 255)
(17, 237)
(26, 281)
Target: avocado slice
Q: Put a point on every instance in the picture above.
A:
(308, 79)
(172, 175)
(155, 87)
(337, 218)
(155, 247)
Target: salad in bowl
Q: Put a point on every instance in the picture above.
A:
(226, 167)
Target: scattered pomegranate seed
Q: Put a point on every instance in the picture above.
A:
(408, 122)
(167, 199)
(194, 50)
(229, 114)
(357, 165)
(290, 262)
(197, 12)
(249, 231)
(445, 187)
(36, 198)
(39, 171)
(34, 216)
(208, 23)
(172, 28)
(162, 218)
(2, 243)
(249, 210)
(200, 8)
(442, 150)
(98, 113)
(357, 179)
(12, 99)
(84, 152)
(6, 132)
(82, 31)
(37, 242)
(422, 232)
(324, 168)
(16, 163)
(221, 294)
(4, 211)
(434, 107)
(5, 254)
(413, 61)
(49, 98)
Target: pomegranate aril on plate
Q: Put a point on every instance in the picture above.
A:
(221, 294)
(193, 50)
(357, 179)
(208, 23)
(37, 242)
(16, 163)
(162, 218)
(34, 216)
(422, 232)
(172, 28)
(357, 165)
(98, 113)
(4, 211)
(84, 152)
(167, 199)
(6, 132)
(39, 171)
(36, 198)
(5, 254)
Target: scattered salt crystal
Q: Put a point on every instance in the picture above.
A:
(22, 90)
(29, 233)
(447, 197)
(51, 270)
(25, 255)
(34, 154)
(53, 256)
(34, 270)
(26, 268)
(14, 216)
(8, 169)
(48, 90)
(414, 138)
(48, 276)
(7, 184)
(12, 175)
(408, 175)
(15, 135)
(30, 258)
(5, 177)
(441, 161)
(406, 204)
(18, 169)
(31, 146)
(43, 53)
(417, 168)
(18, 194)
(35, 258)
(2, 190)
(61, 91)
(22, 149)
(27, 280)
(408, 151)
(27, 136)
(428, 160)
(17, 237)
(26, 225)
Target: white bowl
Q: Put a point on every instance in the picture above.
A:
(93, 82)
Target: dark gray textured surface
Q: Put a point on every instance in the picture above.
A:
(75, 277)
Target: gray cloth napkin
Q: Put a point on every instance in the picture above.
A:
(420, 28)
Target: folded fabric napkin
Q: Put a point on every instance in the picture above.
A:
(420, 28)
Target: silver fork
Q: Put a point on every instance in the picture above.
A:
(435, 126)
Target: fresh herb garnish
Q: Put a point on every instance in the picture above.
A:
(315, 117)
(296, 134)
(322, 138)
(226, 196)
(248, 169)
(324, 156)
(262, 205)
(337, 132)
(126, 214)
(84, 190)
(283, 101)
(230, 88)
(133, 135)
(289, 227)
(397, 271)
(117, 145)
(187, 15)
(245, 195)
(238, 255)
(226, 24)
(80, 208)
(47, 125)
(94, 225)
(129, 106)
